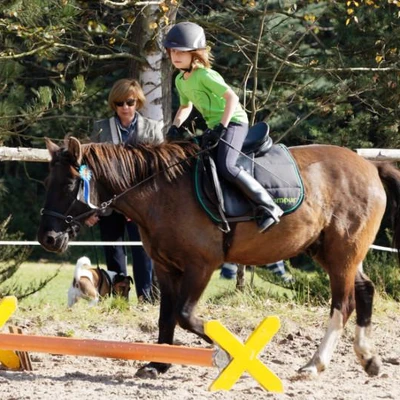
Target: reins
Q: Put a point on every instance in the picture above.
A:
(69, 219)
(106, 204)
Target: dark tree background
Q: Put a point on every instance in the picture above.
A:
(317, 71)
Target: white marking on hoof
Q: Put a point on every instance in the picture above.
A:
(323, 355)
(309, 369)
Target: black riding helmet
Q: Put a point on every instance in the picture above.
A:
(185, 36)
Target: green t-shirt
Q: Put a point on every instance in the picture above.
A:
(205, 89)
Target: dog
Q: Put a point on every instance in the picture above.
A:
(92, 284)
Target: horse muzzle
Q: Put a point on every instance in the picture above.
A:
(55, 242)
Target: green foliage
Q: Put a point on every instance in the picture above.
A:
(252, 297)
(313, 75)
(56, 52)
(384, 272)
(116, 303)
(11, 258)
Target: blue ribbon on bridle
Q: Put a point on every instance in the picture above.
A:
(86, 175)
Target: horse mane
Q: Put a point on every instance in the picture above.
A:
(125, 166)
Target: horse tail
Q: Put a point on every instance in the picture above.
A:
(390, 177)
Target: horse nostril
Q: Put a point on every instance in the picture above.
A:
(50, 240)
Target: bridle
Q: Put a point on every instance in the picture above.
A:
(71, 220)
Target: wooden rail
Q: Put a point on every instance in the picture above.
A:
(42, 155)
(24, 154)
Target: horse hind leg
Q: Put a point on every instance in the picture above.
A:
(240, 277)
(364, 291)
(344, 300)
(343, 304)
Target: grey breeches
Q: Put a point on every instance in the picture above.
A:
(228, 155)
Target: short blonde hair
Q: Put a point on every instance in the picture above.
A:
(203, 57)
(124, 89)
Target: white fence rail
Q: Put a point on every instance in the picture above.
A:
(380, 154)
(42, 155)
(94, 243)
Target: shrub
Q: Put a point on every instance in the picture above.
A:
(11, 257)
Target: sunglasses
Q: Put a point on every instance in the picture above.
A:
(129, 103)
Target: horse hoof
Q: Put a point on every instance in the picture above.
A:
(373, 366)
(152, 370)
(147, 372)
(310, 370)
(313, 367)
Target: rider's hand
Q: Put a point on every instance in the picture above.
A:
(212, 136)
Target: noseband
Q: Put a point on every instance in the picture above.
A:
(68, 219)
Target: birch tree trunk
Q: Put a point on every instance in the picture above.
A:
(155, 76)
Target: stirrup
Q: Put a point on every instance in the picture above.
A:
(265, 219)
(267, 223)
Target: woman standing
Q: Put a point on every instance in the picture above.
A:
(128, 126)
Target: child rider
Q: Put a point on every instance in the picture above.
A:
(200, 86)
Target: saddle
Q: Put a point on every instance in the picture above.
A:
(272, 165)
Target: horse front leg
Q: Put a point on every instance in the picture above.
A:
(169, 283)
(194, 281)
(323, 355)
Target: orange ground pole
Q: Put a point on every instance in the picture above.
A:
(109, 349)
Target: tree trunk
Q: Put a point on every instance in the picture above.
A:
(156, 75)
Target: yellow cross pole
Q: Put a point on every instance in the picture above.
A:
(7, 307)
(244, 356)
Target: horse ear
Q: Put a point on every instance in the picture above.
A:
(74, 147)
(51, 147)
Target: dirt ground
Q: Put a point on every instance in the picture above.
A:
(71, 377)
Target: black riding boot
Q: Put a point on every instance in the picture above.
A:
(268, 212)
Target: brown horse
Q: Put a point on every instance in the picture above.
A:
(343, 207)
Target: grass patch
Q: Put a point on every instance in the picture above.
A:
(238, 310)
(384, 271)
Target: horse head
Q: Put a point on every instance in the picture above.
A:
(63, 210)
(117, 171)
